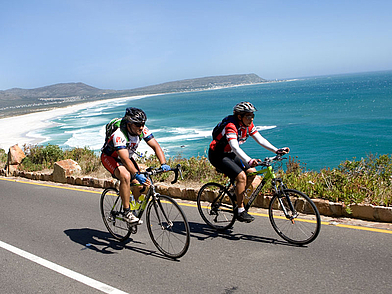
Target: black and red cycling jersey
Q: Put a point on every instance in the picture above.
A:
(232, 131)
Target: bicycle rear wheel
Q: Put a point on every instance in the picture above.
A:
(168, 226)
(302, 224)
(216, 207)
(111, 212)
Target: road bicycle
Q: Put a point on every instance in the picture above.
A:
(293, 214)
(166, 222)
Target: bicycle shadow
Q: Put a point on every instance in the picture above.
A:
(103, 242)
(202, 232)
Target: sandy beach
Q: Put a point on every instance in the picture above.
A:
(20, 129)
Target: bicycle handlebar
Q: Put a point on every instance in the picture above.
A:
(177, 171)
(267, 161)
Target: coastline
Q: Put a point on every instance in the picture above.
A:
(20, 129)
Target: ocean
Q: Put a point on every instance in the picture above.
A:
(324, 120)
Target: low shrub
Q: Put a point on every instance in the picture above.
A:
(40, 157)
(354, 181)
(3, 157)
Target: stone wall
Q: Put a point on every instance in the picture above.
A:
(325, 207)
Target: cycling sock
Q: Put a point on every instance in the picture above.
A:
(241, 209)
(127, 210)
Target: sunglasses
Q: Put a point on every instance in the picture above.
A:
(249, 116)
(139, 125)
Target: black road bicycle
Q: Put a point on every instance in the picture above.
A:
(293, 214)
(166, 222)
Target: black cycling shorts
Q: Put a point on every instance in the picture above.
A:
(228, 163)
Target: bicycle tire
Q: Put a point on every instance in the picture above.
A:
(216, 206)
(111, 212)
(305, 227)
(168, 226)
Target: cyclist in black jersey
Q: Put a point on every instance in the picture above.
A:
(226, 155)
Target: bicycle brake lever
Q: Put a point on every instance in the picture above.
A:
(177, 170)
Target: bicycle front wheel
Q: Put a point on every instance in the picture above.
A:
(168, 226)
(216, 207)
(111, 212)
(294, 217)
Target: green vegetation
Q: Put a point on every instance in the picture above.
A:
(43, 157)
(3, 157)
(368, 180)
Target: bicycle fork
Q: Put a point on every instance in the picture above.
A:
(279, 190)
(157, 202)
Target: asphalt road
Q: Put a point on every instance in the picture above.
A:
(53, 240)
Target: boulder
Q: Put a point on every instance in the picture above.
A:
(64, 168)
(15, 155)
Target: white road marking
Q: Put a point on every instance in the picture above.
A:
(62, 270)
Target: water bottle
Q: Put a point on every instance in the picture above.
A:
(132, 203)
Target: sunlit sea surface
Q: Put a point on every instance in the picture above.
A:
(324, 120)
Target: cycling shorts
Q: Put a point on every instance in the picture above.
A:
(228, 163)
(112, 163)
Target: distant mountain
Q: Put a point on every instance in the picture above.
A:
(202, 83)
(56, 91)
(18, 101)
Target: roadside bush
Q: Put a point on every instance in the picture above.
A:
(365, 181)
(41, 157)
(354, 181)
(3, 158)
(86, 158)
(196, 169)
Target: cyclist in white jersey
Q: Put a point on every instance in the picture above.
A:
(117, 155)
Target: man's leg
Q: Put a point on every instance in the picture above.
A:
(242, 182)
(124, 176)
(240, 188)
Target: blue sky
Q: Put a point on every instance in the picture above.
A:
(126, 44)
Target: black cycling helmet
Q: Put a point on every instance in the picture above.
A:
(244, 107)
(135, 115)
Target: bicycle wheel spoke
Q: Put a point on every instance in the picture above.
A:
(111, 206)
(168, 227)
(300, 226)
(216, 206)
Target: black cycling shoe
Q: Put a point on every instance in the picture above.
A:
(245, 217)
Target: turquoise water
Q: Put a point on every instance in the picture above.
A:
(324, 120)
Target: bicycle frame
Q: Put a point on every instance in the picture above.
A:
(151, 194)
(277, 185)
(269, 174)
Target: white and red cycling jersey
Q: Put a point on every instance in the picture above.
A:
(124, 140)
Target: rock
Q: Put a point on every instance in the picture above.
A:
(174, 192)
(65, 168)
(336, 208)
(189, 194)
(15, 155)
(323, 206)
(11, 169)
(362, 211)
(383, 214)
